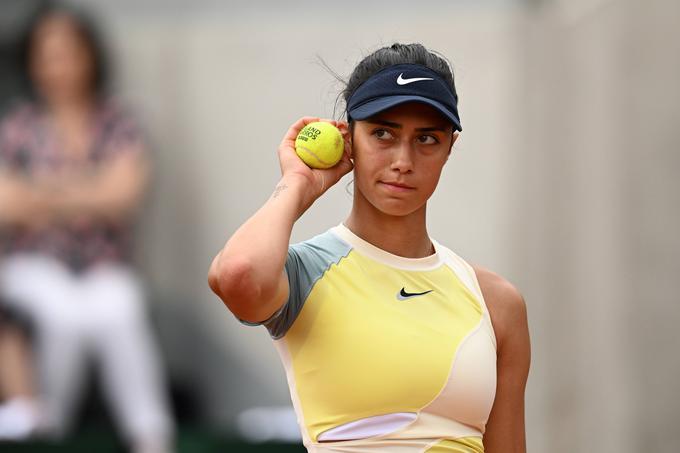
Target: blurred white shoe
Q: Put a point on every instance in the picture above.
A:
(267, 424)
(157, 445)
(19, 419)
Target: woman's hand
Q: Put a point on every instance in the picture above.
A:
(20, 203)
(318, 180)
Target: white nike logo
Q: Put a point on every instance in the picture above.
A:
(402, 81)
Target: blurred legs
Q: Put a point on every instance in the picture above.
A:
(43, 290)
(98, 314)
(18, 409)
(127, 357)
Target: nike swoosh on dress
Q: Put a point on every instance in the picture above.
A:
(403, 295)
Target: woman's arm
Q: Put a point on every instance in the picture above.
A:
(111, 191)
(247, 274)
(19, 204)
(505, 432)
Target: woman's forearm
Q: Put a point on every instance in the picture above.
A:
(111, 193)
(20, 204)
(247, 273)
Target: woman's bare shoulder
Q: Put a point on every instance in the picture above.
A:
(503, 300)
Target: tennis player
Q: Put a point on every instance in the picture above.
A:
(390, 341)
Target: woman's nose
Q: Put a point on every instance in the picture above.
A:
(402, 157)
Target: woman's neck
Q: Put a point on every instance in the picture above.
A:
(404, 236)
(72, 123)
(70, 107)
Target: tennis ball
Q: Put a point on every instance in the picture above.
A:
(320, 145)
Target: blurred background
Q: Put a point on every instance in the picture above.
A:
(565, 181)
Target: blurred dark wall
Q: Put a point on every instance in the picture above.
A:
(15, 16)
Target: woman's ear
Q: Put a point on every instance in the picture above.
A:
(346, 131)
(454, 137)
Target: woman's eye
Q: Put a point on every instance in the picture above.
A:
(427, 140)
(383, 134)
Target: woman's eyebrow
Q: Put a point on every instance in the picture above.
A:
(433, 129)
(381, 122)
(384, 123)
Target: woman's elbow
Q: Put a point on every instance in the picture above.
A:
(234, 281)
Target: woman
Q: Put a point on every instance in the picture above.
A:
(73, 169)
(391, 342)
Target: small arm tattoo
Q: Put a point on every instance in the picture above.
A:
(280, 188)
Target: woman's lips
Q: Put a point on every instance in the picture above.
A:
(397, 186)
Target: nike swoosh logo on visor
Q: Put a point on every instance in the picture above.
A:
(403, 295)
(402, 81)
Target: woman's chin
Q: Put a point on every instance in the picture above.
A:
(396, 208)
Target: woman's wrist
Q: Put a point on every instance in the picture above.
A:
(300, 188)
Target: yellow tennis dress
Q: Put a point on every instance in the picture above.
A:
(385, 353)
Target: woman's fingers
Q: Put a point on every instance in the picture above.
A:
(343, 167)
(290, 162)
(295, 128)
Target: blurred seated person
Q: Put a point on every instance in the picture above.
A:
(73, 169)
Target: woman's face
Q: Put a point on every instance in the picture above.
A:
(398, 157)
(61, 62)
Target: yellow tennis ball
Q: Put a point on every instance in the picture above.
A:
(320, 145)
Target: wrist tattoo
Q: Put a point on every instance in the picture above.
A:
(280, 188)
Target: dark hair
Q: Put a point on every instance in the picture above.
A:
(88, 32)
(398, 54)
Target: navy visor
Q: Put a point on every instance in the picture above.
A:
(400, 84)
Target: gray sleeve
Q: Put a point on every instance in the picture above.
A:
(305, 264)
